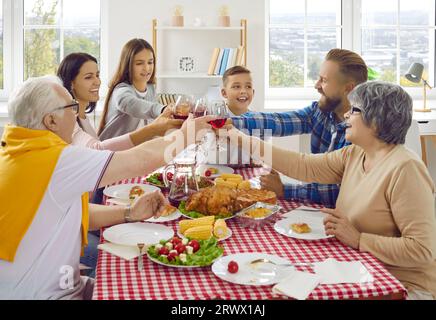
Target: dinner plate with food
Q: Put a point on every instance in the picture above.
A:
(156, 179)
(170, 213)
(129, 191)
(130, 234)
(252, 269)
(184, 253)
(204, 228)
(213, 170)
(305, 228)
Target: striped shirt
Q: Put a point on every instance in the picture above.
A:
(326, 135)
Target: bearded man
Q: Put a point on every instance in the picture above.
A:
(341, 71)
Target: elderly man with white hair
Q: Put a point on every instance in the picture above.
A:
(43, 192)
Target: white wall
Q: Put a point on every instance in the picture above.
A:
(135, 20)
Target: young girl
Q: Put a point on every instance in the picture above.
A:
(131, 98)
(81, 77)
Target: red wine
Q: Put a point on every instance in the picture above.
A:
(218, 123)
(181, 117)
(175, 200)
(198, 114)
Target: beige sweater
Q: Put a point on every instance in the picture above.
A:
(392, 206)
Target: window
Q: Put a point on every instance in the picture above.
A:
(390, 35)
(54, 28)
(301, 32)
(396, 33)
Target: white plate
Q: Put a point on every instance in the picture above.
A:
(229, 234)
(261, 274)
(221, 169)
(130, 234)
(284, 227)
(121, 191)
(174, 216)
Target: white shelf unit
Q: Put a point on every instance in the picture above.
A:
(165, 73)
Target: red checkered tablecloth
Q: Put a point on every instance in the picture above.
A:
(117, 278)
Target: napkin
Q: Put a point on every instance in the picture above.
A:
(125, 252)
(297, 285)
(332, 272)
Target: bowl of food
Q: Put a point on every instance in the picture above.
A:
(258, 215)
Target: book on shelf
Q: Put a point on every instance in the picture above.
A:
(223, 67)
(218, 62)
(213, 61)
(224, 58)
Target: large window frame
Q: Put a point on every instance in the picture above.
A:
(13, 43)
(351, 40)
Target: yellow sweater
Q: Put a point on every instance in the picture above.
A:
(392, 206)
(27, 161)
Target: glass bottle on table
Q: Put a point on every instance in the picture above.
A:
(184, 182)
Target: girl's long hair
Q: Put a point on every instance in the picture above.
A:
(70, 68)
(124, 72)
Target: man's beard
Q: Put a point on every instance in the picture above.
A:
(329, 104)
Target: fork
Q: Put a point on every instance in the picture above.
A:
(298, 264)
(140, 261)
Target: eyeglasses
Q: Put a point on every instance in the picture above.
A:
(74, 105)
(355, 110)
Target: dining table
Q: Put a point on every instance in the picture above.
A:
(119, 279)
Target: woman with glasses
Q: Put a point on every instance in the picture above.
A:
(386, 201)
(81, 77)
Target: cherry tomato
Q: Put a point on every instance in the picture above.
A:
(194, 244)
(169, 176)
(160, 176)
(164, 251)
(207, 173)
(175, 241)
(232, 267)
(171, 256)
(181, 248)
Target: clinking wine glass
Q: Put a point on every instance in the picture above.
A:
(219, 109)
(200, 110)
(183, 106)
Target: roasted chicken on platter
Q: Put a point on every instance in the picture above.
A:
(219, 200)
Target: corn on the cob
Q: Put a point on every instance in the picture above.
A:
(199, 233)
(244, 185)
(203, 221)
(220, 229)
(223, 183)
(226, 176)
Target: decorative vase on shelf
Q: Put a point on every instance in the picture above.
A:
(224, 18)
(177, 19)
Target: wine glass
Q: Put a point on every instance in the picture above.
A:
(200, 110)
(219, 109)
(183, 106)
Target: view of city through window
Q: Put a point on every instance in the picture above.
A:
(394, 34)
(55, 28)
(301, 33)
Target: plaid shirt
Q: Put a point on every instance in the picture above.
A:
(326, 135)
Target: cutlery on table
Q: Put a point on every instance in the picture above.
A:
(297, 264)
(140, 261)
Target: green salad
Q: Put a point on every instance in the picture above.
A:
(156, 179)
(184, 252)
(195, 214)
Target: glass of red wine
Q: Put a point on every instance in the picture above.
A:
(183, 106)
(219, 108)
(201, 110)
